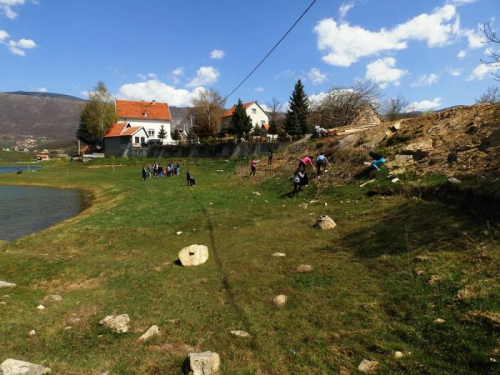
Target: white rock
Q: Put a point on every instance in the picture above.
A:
(279, 255)
(152, 331)
(179, 233)
(117, 323)
(325, 222)
(368, 367)
(304, 268)
(239, 333)
(40, 307)
(206, 363)
(454, 181)
(395, 180)
(439, 321)
(32, 333)
(398, 354)
(280, 300)
(5, 284)
(15, 367)
(256, 193)
(193, 255)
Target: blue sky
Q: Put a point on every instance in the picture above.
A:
(428, 51)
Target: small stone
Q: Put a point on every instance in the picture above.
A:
(398, 354)
(15, 367)
(395, 180)
(439, 321)
(256, 193)
(5, 284)
(326, 204)
(211, 204)
(325, 222)
(193, 255)
(420, 272)
(303, 205)
(152, 331)
(278, 255)
(280, 300)
(454, 181)
(179, 233)
(40, 307)
(304, 268)
(32, 333)
(117, 323)
(239, 333)
(206, 363)
(368, 367)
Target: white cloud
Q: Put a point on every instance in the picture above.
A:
(176, 74)
(316, 98)
(316, 76)
(3, 35)
(462, 54)
(426, 80)
(384, 71)
(217, 54)
(426, 104)
(206, 75)
(17, 48)
(460, 2)
(481, 71)
(285, 74)
(344, 9)
(157, 90)
(259, 89)
(345, 44)
(6, 7)
(265, 107)
(455, 72)
(41, 89)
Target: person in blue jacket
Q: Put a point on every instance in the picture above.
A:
(378, 160)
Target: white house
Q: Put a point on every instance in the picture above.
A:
(121, 138)
(254, 110)
(149, 115)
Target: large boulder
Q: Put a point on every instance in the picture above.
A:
(280, 300)
(325, 222)
(15, 367)
(117, 323)
(206, 363)
(423, 145)
(193, 255)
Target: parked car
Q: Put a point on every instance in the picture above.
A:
(152, 142)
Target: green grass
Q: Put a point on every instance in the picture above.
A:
(366, 298)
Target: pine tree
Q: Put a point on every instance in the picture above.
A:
(273, 127)
(241, 123)
(257, 131)
(299, 107)
(162, 133)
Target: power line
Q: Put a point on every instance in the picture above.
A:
(271, 51)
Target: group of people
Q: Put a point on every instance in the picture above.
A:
(156, 170)
(300, 177)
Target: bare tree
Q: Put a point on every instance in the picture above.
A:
(491, 95)
(343, 105)
(494, 60)
(396, 108)
(275, 108)
(207, 112)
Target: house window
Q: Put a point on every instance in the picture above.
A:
(262, 122)
(136, 139)
(254, 111)
(143, 140)
(151, 132)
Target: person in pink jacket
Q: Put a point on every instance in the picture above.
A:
(303, 163)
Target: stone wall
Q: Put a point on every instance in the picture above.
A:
(219, 150)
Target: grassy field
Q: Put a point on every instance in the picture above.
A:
(390, 268)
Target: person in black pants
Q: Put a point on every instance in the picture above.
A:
(270, 155)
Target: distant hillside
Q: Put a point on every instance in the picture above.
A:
(51, 115)
(54, 116)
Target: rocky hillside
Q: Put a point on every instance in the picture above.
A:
(457, 141)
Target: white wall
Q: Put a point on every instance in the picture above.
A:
(152, 125)
(259, 117)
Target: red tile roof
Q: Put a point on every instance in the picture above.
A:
(230, 112)
(115, 130)
(266, 126)
(132, 130)
(128, 109)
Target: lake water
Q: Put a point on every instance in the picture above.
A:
(14, 169)
(28, 209)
